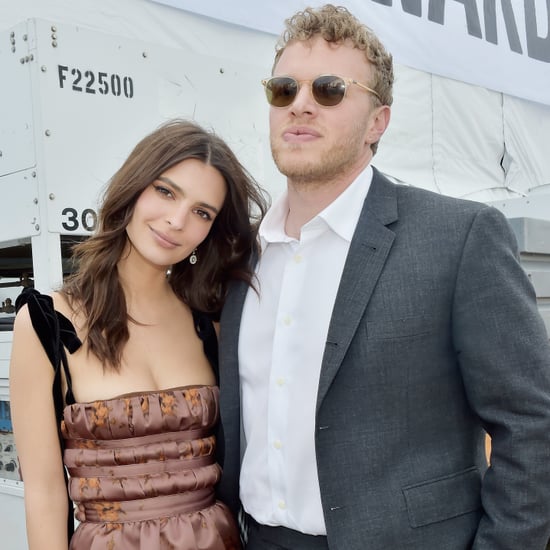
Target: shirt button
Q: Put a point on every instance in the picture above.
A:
(297, 258)
(280, 381)
(277, 444)
(287, 320)
(282, 505)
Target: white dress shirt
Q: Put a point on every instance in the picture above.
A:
(281, 345)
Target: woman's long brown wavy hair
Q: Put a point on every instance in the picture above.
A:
(225, 255)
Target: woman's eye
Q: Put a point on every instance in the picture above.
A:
(203, 214)
(162, 190)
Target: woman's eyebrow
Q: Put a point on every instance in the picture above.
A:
(167, 180)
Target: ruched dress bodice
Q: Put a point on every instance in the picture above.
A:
(142, 472)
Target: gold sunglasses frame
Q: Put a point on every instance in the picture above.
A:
(347, 82)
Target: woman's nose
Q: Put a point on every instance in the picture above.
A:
(177, 218)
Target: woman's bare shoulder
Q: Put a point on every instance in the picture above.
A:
(62, 304)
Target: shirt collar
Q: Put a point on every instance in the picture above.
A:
(341, 215)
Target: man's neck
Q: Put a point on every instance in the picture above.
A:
(305, 201)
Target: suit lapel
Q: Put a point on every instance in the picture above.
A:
(367, 255)
(230, 395)
(232, 313)
(229, 433)
(229, 343)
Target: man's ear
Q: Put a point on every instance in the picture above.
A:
(379, 120)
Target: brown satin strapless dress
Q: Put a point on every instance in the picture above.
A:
(142, 472)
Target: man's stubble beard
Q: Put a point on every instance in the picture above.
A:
(328, 166)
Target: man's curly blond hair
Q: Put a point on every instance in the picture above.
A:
(337, 25)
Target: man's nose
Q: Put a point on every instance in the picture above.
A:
(303, 102)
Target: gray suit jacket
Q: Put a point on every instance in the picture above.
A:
(435, 337)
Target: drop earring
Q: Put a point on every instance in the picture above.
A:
(169, 272)
(193, 258)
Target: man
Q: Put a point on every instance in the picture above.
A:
(389, 329)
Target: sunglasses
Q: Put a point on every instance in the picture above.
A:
(328, 90)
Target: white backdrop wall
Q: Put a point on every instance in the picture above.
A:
(447, 135)
(475, 41)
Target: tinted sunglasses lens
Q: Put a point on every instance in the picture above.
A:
(281, 91)
(328, 90)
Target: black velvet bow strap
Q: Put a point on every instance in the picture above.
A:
(52, 327)
(54, 331)
(67, 333)
(44, 321)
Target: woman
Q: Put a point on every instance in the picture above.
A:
(139, 395)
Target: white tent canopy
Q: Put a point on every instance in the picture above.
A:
(477, 42)
(448, 135)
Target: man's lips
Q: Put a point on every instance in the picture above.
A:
(300, 134)
(163, 239)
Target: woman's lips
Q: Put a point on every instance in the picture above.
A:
(164, 240)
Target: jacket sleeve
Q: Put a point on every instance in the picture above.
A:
(504, 356)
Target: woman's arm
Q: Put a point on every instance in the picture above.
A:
(36, 438)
